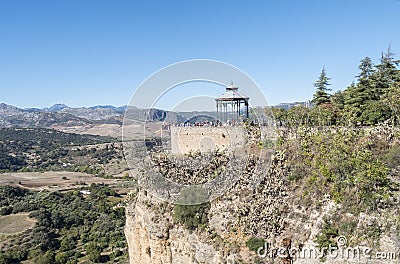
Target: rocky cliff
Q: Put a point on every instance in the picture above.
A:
(279, 214)
(155, 236)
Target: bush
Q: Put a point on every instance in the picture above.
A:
(6, 210)
(46, 258)
(392, 157)
(192, 216)
(326, 237)
(255, 243)
(14, 255)
(93, 251)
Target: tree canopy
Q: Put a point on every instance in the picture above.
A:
(371, 99)
(321, 95)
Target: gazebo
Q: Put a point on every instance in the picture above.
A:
(229, 105)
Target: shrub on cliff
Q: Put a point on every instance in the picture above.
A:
(192, 216)
(255, 243)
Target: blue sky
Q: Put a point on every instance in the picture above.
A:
(96, 52)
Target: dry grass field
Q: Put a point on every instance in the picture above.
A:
(52, 180)
(133, 131)
(113, 130)
(15, 223)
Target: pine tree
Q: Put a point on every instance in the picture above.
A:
(352, 105)
(359, 94)
(366, 69)
(392, 100)
(386, 73)
(338, 99)
(321, 96)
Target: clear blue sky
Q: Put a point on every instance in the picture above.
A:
(92, 52)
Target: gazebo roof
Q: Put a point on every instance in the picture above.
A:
(232, 94)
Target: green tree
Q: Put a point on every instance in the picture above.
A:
(93, 251)
(298, 115)
(338, 99)
(46, 258)
(386, 73)
(61, 258)
(392, 100)
(67, 243)
(3, 259)
(366, 69)
(358, 96)
(339, 103)
(364, 90)
(375, 111)
(324, 115)
(280, 115)
(321, 95)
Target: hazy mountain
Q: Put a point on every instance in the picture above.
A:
(99, 112)
(93, 113)
(42, 119)
(57, 107)
(58, 115)
(64, 116)
(120, 109)
(9, 110)
(33, 109)
(287, 106)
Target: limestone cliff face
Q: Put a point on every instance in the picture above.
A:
(153, 237)
(274, 211)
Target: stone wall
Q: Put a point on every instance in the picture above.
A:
(205, 139)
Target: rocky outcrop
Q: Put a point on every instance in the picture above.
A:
(154, 236)
(269, 207)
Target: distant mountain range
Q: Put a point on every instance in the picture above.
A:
(61, 115)
(287, 106)
(65, 108)
(64, 116)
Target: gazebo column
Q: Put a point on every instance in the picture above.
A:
(226, 112)
(238, 111)
(217, 110)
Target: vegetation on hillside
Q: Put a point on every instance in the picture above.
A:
(70, 227)
(38, 149)
(373, 98)
(356, 168)
(344, 151)
(192, 216)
